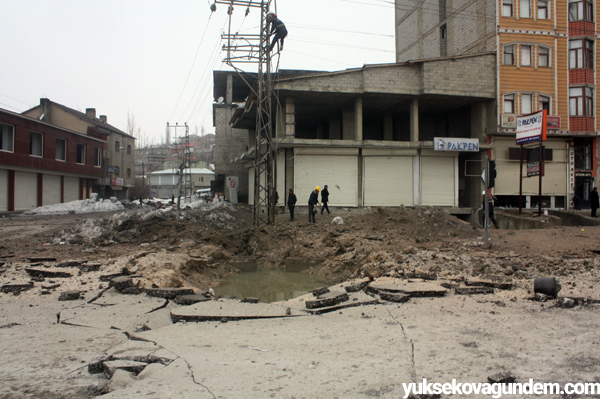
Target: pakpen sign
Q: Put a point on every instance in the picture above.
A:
(455, 144)
(531, 127)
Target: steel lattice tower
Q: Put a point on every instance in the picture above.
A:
(252, 48)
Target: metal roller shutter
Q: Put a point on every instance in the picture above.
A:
(554, 182)
(339, 172)
(438, 181)
(388, 181)
(71, 189)
(51, 192)
(25, 191)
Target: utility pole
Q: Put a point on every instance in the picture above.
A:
(253, 48)
(183, 158)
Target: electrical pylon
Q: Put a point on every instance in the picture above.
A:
(253, 48)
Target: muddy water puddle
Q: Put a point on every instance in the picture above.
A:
(270, 285)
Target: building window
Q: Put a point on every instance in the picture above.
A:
(507, 8)
(7, 138)
(128, 149)
(36, 143)
(581, 101)
(117, 146)
(526, 104)
(543, 10)
(545, 104)
(508, 57)
(583, 154)
(525, 9)
(128, 172)
(581, 54)
(526, 55)
(98, 157)
(543, 56)
(580, 10)
(508, 106)
(81, 154)
(61, 149)
(443, 44)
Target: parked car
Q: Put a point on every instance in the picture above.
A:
(204, 193)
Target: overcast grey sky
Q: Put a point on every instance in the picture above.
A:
(154, 59)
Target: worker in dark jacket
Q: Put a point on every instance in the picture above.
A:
(594, 201)
(291, 202)
(325, 199)
(278, 27)
(491, 209)
(313, 201)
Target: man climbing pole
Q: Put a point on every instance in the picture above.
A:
(278, 27)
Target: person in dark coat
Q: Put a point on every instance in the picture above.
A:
(279, 28)
(491, 209)
(325, 199)
(594, 201)
(313, 201)
(291, 203)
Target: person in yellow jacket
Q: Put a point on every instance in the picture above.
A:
(313, 201)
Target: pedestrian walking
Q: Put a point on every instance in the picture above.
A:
(279, 28)
(594, 201)
(325, 199)
(291, 202)
(313, 201)
(491, 210)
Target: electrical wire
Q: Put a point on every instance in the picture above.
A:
(426, 9)
(192, 66)
(305, 40)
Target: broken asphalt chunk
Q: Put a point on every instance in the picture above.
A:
(169, 293)
(328, 299)
(41, 259)
(47, 273)
(394, 296)
(69, 296)
(70, 263)
(473, 290)
(320, 291)
(110, 366)
(96, 365)
(502, 378)
(16, 287)
(493, 284)
(417, 290)
(120, 283)
(190, 299)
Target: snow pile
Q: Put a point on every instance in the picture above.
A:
(93, 204)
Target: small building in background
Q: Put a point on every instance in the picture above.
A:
(118, 163)
(42, 164)
(165, 183)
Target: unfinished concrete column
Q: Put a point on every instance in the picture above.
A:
(229, 90)
(290, 117)
(414, 120)
(358, 116)
(335, 127)
(388, 126)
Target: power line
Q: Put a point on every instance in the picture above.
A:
(340, 45)
(339, 30)
(192, 66)
(14, 99)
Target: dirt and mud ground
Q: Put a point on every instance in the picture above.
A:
(463, 337)
(197, 251)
